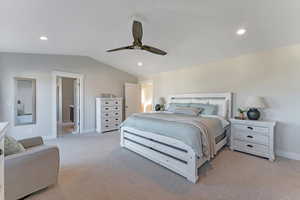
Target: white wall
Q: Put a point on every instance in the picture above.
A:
(99, 78)
(274, 75)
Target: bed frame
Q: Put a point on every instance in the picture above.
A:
(169, 152)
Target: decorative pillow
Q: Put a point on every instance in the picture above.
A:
(188, 111)
(172, 106)
(12, 146)
(208, 109)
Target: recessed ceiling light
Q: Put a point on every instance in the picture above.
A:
(241, 31)
(43, 38)
(140, 64)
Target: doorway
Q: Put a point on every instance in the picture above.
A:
(68, 92)
(67, 98)
(147, 96)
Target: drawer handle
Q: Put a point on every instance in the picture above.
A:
(116, 102)
(106, 120)
(1, 152)
(251, 128)
(106, 126)
(106, 108)
(249, 145)
(249, 136)
(117, 119)
(117, 124)
(117, 113)
(106, 114)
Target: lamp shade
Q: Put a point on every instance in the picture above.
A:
(255, 102)
(161, 101)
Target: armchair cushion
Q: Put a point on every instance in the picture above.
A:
(12, 146)
(32, 142)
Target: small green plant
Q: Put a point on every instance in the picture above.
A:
(241, 111)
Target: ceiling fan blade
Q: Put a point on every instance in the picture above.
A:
(121, 48)
(154, 50)
(137, 32)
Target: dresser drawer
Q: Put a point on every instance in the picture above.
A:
(107, 115)
(257, 129)
(111, 120)
(116, 108)
(108, 108)
(111, 108)
(116, 102)
(250, 147)
(112, 114)
(107, 103)
(251, 137)
(110, 126)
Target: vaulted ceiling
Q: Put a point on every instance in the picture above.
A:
(191, 31)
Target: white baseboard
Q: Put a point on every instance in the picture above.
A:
(51, 137)
(88, 131)
(290, 155)
(48, 137)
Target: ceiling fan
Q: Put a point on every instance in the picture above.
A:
(137, 32)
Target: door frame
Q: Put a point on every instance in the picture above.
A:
(55, 75)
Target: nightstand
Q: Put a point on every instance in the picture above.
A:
(253, 137)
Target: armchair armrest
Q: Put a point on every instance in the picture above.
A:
(32, 142)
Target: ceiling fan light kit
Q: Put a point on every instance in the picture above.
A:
(137, 32)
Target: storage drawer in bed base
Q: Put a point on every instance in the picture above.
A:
(162, 159)
(177, 153)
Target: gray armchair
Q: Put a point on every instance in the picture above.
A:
(32, 170)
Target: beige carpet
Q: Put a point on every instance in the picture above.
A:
(94, 167)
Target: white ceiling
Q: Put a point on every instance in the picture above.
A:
(191, 31)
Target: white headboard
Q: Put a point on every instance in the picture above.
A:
(222, 100)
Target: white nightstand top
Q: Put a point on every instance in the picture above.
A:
(253, 122)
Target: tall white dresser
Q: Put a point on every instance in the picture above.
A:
(3, 127)
(108, 114)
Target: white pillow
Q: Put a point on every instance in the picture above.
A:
(12, 146)
(188, 111)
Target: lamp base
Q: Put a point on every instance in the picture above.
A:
(253, 114)
(157, 107)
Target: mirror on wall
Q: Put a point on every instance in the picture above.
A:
(25, 101)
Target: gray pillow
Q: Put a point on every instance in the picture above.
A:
(12, 146)
(172, 106)
(208, 109)
(188, 111)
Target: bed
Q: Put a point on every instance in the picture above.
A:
(179, 142)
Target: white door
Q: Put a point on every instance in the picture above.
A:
(77, 105)
(132, 99)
